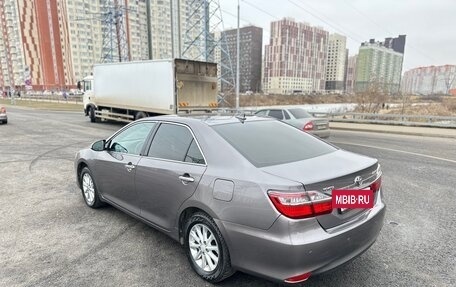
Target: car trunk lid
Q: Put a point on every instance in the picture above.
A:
(336, 170)
(320, 124)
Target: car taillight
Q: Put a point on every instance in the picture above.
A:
(3, 110)
(309, 126)
(375, 186)
(298, 279)
(299, 205)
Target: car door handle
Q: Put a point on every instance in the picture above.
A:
(186, 178)
(129, 166)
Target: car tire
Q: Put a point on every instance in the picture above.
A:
(140, 115)
(214, 247)
(91, 113)
(89, 189)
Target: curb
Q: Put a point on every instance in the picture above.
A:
(396, 132)
(40, 109)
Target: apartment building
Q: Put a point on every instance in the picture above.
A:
(351, 74)
(429, 80)
(336, 63)
(250, 44)
(295, 58)
(51, 44)
(12, 59)
(380, 66)
(397, 44)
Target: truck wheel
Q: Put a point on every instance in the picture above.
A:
(140, 115)
(92, 114)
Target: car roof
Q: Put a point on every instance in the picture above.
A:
(210, 120)
(282, 108)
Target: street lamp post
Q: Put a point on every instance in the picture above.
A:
(237, 57)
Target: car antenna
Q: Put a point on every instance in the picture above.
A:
(241, 117)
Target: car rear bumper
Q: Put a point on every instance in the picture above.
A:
(294, 247)
(321, 133)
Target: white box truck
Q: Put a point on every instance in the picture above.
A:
(131, 90)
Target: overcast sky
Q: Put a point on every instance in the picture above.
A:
(430, 26)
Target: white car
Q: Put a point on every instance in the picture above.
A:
(300, 119)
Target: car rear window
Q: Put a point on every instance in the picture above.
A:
(276, 114)
(266, 143)
(299, 113)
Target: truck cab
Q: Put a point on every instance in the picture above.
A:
(86, 86)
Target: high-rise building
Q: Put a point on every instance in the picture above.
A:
(34, 41)
(378, 65)
(295, 58)
(12, 59)
(137, 30)
(251, 43)
(51, 44)
(397, 44)
(335, 63)
(350, 74)
(429, 80)
(85, 36)
(49, 40)
(167, 27)
(92, 32)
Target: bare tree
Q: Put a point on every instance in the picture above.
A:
(372, 99)
(434, 81)
(406, 102)
(450, 77)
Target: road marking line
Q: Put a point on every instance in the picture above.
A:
(400, 151)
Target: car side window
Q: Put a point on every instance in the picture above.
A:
(132, 139)
(276, 114)
(286, 114)
(174, 142)
(194, 154)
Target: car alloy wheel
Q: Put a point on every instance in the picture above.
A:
(88, 189)
(203, 247)
(206, 249)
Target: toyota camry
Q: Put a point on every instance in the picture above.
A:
(239, 193)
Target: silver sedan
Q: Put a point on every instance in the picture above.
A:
(239, 193)
(300, 119)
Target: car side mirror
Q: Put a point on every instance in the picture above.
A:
(99, 145)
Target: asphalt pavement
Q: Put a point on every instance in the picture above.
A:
(50, 238)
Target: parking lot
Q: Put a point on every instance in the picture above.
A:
(50, 238)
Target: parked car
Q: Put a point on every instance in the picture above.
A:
(300, 119)
(3, 116)
(239, 193)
